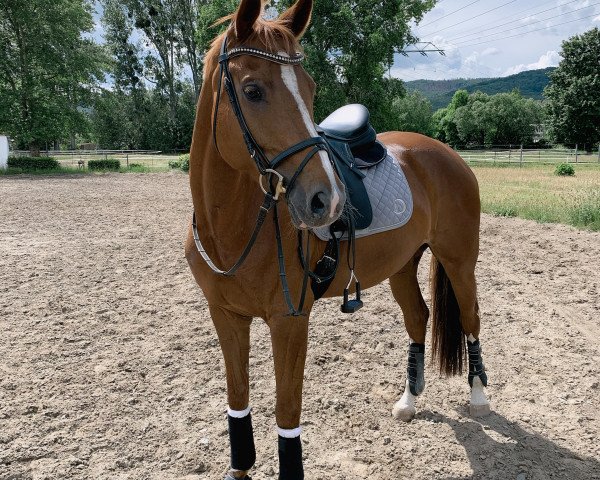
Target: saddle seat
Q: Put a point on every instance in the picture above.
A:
(349, 124)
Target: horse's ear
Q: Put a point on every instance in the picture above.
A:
(297, 17)
(245, 17)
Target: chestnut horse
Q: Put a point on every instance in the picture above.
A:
(256, 97)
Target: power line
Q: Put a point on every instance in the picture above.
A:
(451, 13)
(511, 21)
(516, 14)
(476, 16)
(526, 33)
(527, 25)
(428, 47)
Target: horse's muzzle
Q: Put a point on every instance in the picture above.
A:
(317, 206)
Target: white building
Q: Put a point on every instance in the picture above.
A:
(3, 151)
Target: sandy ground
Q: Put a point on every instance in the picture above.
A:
(110, 368)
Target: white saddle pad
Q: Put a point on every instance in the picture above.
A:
(390, 196)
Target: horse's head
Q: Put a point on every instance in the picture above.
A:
(275, 97)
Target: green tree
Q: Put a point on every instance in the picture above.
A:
(112, 124)
(574, 92)
(171, 38)
(47, 70)
(157, 21)
(351, 45)
(481, 119)
(127, 69)
(444, 124)
(208, 13)
(413, 113)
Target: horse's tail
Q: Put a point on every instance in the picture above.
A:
(447, 337)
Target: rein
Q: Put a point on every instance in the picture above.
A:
(266, 168)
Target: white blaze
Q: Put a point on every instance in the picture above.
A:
(291, 82)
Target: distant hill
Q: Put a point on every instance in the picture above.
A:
(439, 92)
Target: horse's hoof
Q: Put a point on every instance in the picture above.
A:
(479, 410)
(231, 477)
(404, 412)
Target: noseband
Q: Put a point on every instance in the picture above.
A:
(265, 166)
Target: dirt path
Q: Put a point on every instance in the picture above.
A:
(110, 369)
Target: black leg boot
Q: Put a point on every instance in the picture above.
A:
(290, 459)
(241, 440)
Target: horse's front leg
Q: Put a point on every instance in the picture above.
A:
(289, 336)
(234, 336)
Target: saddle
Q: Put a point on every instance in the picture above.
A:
(354, 148)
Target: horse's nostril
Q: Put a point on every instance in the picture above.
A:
(317, 204)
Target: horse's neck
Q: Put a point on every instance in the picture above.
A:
(227, 202)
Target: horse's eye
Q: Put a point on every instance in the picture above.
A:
(253, 93)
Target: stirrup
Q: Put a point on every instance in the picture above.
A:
(351, 306)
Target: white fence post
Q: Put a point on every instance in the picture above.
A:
(576, 152)
(521, 160)
(3, 152)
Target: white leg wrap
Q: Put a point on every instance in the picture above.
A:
(238, 413)
(480, 405)
(286, 433)
(404, 409)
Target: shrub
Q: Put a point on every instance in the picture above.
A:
(504, 211)
(138, 168)
(33, 163)
(175, 163)
(564, 170)
(109, 164)
(586, 212)
(185, 162)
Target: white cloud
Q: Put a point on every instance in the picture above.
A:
(490, 51)
(549, 59)
(527, 39)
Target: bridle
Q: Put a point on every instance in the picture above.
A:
(267, 170)
(265, 166)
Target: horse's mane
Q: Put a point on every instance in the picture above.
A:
(271, 35)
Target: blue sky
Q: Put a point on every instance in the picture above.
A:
(494, 38)
(488, 38)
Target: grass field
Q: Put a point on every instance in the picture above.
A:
(535, 192)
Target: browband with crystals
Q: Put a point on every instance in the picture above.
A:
(295, 60)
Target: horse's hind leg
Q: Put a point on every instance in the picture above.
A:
(234, 336)
(407, 293)
(455, 279)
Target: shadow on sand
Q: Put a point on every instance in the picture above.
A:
(499, 448)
